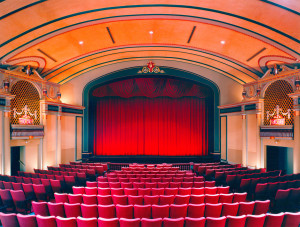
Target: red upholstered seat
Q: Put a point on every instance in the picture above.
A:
(56, 209)
(160, 211)
(157, 191)
(255, 220)
(261, 207)
(61, 197)
(213, 210)
(230, 209)
(178, 211)
(246, 208)
(195, 210)
(102, 191)
(75, 198)
(182, 199)
(215, 222)
(274, 220)
(87, 222)
(166, 199)
(21, 204)
(120, 199)
(171, 191)
(103, 185)
(66, 222)
(144, 191)
(291, 219)
(211, 198)
(195, 222)
(132, 200)
(236, 221)
(150, 200)
(131, 191)
(27, 220)
(40, 208)
(91, 190)
(226, 198)
(89, 211)
(184, 191)
(239, 197)
(91, 183)
(197, 191)
(107, 211)
(72, 210)
(9, 220)
(210, 190)
(146, 222)
(108, 222)
(124, 211)
(173, 222)
(28, 190)
(89, 199)
(124, 222)
(197, 199)
(48, 221)
(142, 211)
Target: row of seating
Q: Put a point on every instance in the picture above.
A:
(148, 199)
(287, 200)
(234, 180)
(60, 184)
(163, 172)
(154, 179)
(150, 211)
(263, 220)
(150, 191)
(143, 184)
(149, 175)
(269, 190)
(250, 185)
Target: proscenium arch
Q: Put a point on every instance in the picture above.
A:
(133, 72)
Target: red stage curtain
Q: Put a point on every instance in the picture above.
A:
(151, 126)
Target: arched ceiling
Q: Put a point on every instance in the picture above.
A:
(68, 38)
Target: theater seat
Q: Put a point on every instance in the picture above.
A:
(215, 222)
(108, 222)
(291, 219)
(89, 211)
(173, 222)
(107, 211)
(9, 220)
(124, 211)
(195, 210)
(142, 211)
(160, 211)
(124, 222)
(48, 221)
(178, 211)
(146, 222)
(255, 220)
(213, 210)
(230, 209)
(87, 222)
(274, 220)
(195, 222)
(236, 221)
(66, 222)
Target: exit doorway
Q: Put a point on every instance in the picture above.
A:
(280, 158)
(17, 160)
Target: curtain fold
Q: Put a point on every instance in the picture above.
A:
(161, 126)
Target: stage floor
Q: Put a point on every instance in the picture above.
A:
(153, 159)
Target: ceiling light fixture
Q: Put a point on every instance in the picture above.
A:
(80, 42)
(223, 42)
(151, 32)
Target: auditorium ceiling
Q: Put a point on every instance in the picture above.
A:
(66, 39)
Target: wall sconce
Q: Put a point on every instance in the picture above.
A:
(6, 85)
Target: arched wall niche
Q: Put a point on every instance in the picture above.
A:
(277, 94)
(132, 72)
(26, 94)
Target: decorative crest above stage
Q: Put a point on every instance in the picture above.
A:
(151, 68)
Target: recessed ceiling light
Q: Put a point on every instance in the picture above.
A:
(223, 42)
(151, 32)
(80, 42)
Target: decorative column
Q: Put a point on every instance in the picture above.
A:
(6, 142)
(244, 139)
(296, 151)
(2, 162)
(58, 140)
(259, 121)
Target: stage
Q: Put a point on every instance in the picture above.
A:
(153, 159)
